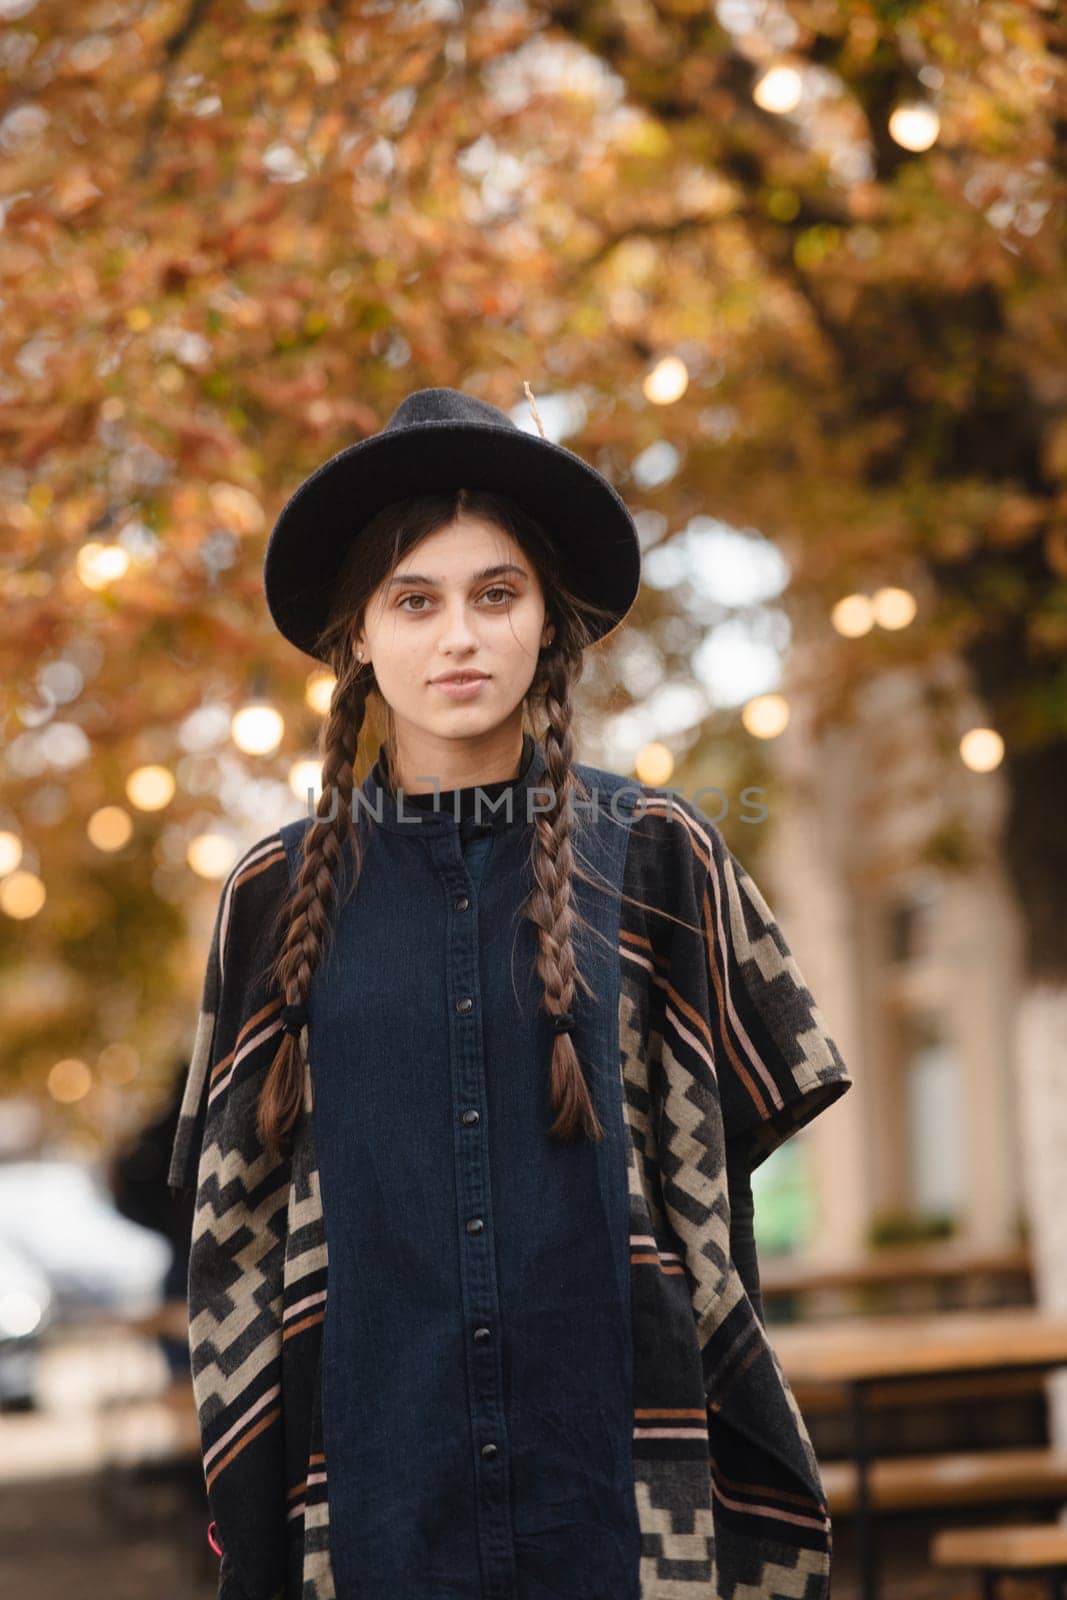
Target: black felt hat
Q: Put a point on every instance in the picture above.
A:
(444, 439)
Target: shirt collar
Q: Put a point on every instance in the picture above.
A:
(502, 805)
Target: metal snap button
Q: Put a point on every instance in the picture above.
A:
(465, 1005)
(462, 902)
(489, 1451)
(475, 1225)
(470, 1117)
(481, 1335)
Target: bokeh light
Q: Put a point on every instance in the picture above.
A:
(318, 691)
(98, 564)
(211, 855)
(915, 125)
(69, 1080)
(150, 788)
(766, 716)
(667, 381)
(893, 607)
(305, 775)
(853, 616)
(982, 749)
(10, 852)
(22, 894)
(779, 89)
(654, 764)
(109, 828)
(257, 729)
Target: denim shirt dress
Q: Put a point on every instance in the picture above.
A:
(476, 1369)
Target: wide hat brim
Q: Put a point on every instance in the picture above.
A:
(578, 508)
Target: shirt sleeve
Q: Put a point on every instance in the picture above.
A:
(776, 1062)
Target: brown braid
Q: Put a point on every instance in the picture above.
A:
(550, 905)
(308, 911)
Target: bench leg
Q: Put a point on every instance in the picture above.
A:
(989, 1584)
(863, 1522)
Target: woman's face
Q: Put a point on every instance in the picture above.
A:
(465, 599)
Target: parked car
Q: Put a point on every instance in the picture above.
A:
(27, 1308)
(59, 1217)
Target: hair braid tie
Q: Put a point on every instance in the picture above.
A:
(564, 1023)
(294, 1018)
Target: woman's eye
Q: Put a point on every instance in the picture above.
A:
(499, 589)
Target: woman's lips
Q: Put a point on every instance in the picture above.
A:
(457, 690)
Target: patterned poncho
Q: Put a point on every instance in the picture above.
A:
(718, 1041)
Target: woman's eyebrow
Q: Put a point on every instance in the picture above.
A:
(506, 568)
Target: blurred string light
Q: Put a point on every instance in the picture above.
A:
(98, 564)
(667, 382)
(305, 775)
(257, 729)
(109, 828)
(853, 616)
(22, 894)
(914, 125)
(10, 852)
(318, 691)
(856, 614)
(766, 716)
(654, 764)
(982, 749)
(150, 788)
(893, 607)
(69, 1080)
(778, 89)
(211, 855)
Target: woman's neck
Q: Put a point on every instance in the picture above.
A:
(447, 769)
(466, 793)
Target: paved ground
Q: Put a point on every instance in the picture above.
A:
(66, 1541)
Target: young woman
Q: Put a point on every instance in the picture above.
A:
(488, 1049)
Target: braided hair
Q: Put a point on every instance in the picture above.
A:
(309, 913)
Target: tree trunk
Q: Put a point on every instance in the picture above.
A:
(1041, 1060)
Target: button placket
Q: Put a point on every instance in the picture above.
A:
(479, 1286)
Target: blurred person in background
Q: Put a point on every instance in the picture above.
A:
(137, 1177)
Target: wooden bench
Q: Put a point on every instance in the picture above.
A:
(825, 1398)
(1034, 1549)
(147, 1428)
(970, 1477)
(940, 1275)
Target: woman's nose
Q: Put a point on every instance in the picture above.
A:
(457, 629)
